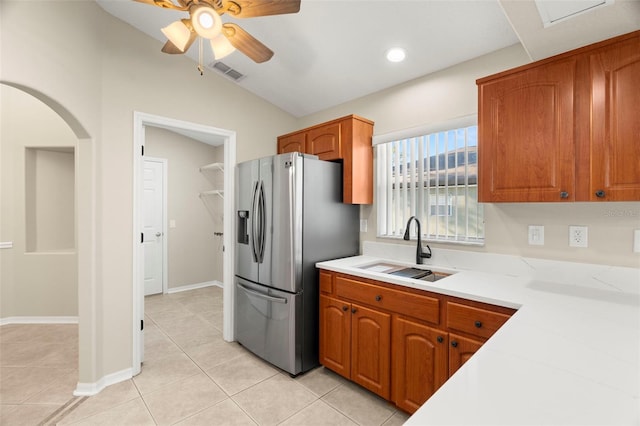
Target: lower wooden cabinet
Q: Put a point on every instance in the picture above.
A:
(419, 362)
(335, 335)
(355, 342)
(460, 350)
(371, 349)
(399, 343)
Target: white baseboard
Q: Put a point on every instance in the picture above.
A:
(38, 320)
(194, 286)
(90, 389)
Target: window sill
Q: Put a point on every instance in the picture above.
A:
(435, 241)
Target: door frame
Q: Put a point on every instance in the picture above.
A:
(228, 138)
(165, 231)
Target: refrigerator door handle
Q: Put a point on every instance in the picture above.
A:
(263, 224)
(262, 295)
(254, 222)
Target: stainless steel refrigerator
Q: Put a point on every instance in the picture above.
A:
(290, 215)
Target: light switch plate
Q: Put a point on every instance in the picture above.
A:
(536, 235)
(363, 225)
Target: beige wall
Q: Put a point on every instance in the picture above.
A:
(39, 281)
(97, 71)
(194, 252)
(452, 93)
(50, 201)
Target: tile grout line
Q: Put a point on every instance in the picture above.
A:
(63, 411)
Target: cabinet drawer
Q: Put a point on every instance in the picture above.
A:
(326, 282)
(476, 321)
(414, 305)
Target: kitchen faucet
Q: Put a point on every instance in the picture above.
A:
(419, 254)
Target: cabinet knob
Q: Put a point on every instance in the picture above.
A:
(600, 193)
(354, 310)
(378, 298)
(440, 339)
(454, 344)
(478, 324)
(564, 194)
(345, 308)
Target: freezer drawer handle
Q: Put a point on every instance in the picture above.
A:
(263, 296)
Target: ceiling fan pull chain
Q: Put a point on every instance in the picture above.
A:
(200, 67)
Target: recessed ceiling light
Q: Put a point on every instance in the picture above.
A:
(396, 54)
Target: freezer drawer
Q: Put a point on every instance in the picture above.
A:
(268, 323)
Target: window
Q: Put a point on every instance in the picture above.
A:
(432, 176)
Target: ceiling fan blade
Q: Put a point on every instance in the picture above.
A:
(246, 43)
(167, 4)
(253, 8)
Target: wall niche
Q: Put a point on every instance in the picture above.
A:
(50, 199)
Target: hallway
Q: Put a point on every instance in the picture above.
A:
(190, 376)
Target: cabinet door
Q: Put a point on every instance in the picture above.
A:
(615, 121)
(460, 350)
(292, 143)
(325, 141)
(370, 350)
(526, 141)
(419, 362)
(335, 335)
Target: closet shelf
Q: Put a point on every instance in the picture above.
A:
(218, 192)
(213, 166)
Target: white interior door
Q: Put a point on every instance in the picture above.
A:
(153, 225)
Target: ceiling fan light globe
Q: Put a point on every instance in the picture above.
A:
(221, 47)
(178, 33)
(206, 21)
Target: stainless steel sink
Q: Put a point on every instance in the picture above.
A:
(406, 272)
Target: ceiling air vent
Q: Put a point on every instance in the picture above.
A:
(227, 70)
(554, 11)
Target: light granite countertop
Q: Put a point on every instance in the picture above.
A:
(569, 355)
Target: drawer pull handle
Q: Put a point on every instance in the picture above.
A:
(564, 194)
(600, 193)
(378, 298)
(440, 339)
(345, 308)
(454, 344)
(478, 324)
(354, 310)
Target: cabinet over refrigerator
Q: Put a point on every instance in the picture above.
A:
(290, 215)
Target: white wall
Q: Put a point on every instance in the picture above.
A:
(452, 93)
(194, 252)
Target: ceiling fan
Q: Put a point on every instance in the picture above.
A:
(204, 21)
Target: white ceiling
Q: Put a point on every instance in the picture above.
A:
(333, 51)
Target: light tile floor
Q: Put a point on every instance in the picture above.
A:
(190, 376)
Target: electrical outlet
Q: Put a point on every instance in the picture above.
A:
(536, 235)
(636, 241)
(578, 236)
(363, 225)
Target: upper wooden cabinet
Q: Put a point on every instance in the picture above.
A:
(615, 121)
(346, 139)
(295, 142)
(565, 128)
